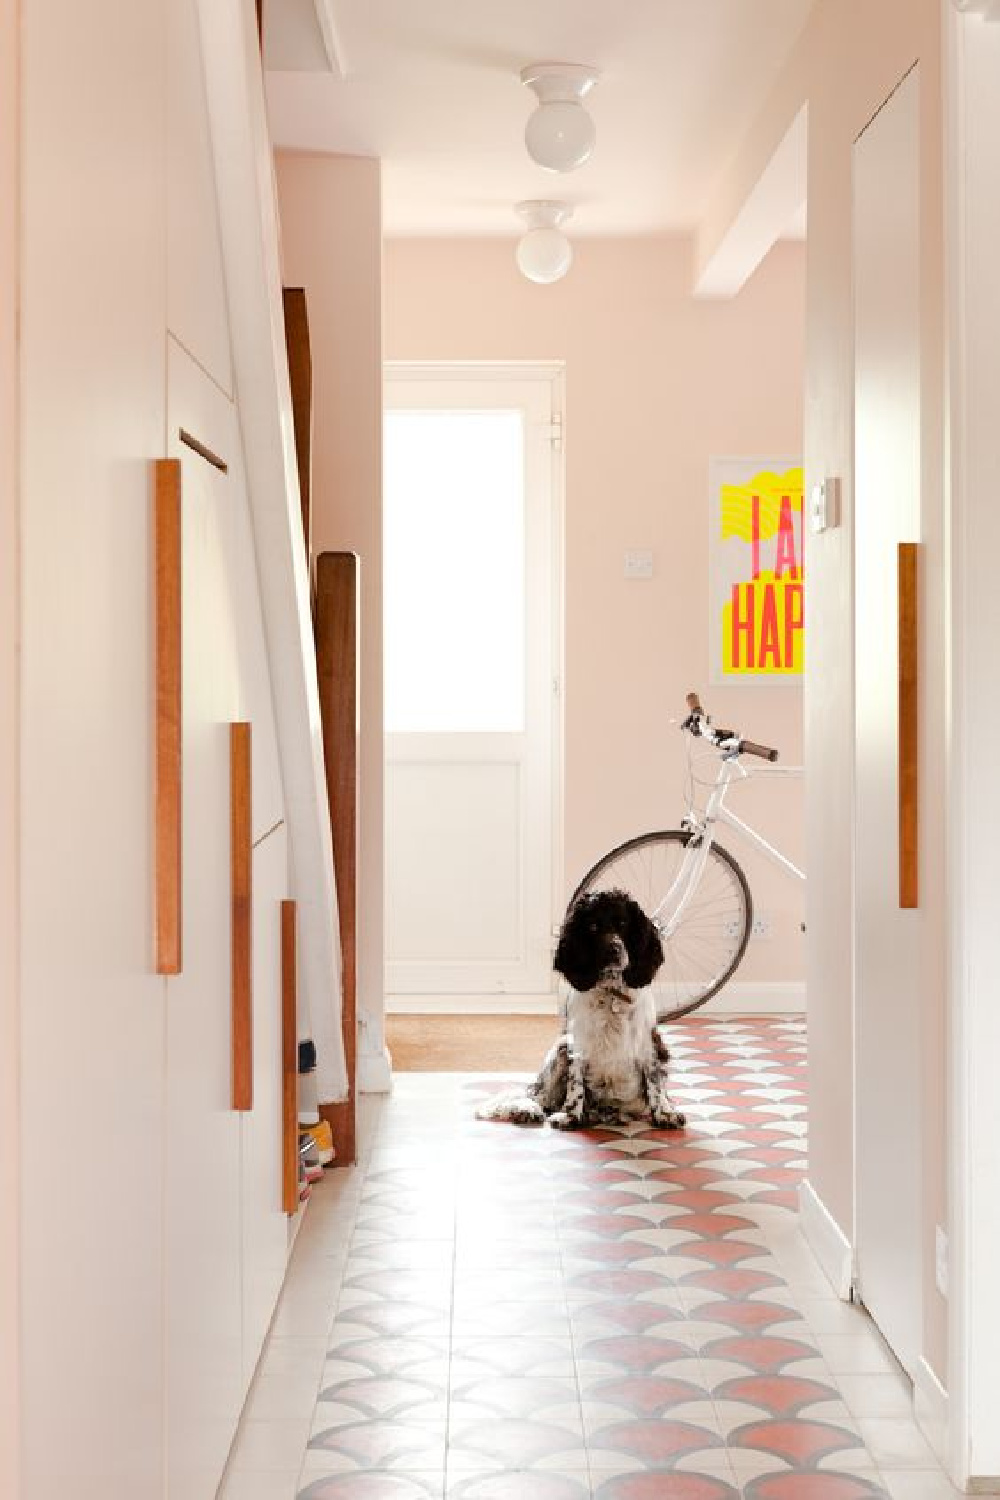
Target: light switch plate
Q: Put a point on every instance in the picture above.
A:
(824, 505)
(639, 564)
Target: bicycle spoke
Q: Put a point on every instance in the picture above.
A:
(708, 943)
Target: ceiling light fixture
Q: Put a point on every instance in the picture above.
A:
(560, 134)
(544, 254)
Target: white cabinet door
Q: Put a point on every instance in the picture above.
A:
(255, 674)
(265, 1226)
(889, 977)
(202, 1191)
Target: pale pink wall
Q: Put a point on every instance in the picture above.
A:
(656, 383)
(9, 736)
(331, 230)
(852, 54)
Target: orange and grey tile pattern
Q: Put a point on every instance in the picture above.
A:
(523, 1314)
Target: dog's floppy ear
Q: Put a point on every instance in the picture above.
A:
(578, 955)
(645, 951)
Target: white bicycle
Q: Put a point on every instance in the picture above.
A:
(692, 887)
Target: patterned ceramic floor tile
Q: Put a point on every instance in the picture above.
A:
(619, 1313)
(372, 1486)
(515, 1443)
(520, 1485)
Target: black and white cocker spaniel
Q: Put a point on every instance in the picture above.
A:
(610, 1066)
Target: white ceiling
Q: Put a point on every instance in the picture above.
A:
(432, 87)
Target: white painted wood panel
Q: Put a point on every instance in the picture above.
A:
(471, 695)
(256, 697)
(92, 395)
(887, 511)
(203, 1249)
(264, 1224)
(973, 170)
(197, 312)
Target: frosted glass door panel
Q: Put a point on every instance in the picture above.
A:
(454, 571)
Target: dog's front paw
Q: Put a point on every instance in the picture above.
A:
(527, 1113)
(669, 1119)
(563, 1120)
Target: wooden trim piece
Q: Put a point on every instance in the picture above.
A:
(289, 1063)
(241, 868)
(301, 381)
(909, 784)
(168, 910)
(337, 602)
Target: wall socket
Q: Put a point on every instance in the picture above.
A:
(639, 563)
(941, 1260)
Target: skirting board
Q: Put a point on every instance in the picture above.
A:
(930, 1407)
(827, 1241)
(751, 999)
(374, 1072)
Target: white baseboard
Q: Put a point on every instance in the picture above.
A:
(827, 1241)
(930, 1407)
(374, 1072)
(472, 1005)
(758, 997)
(753, 998)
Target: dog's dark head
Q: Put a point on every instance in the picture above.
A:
(608, 937)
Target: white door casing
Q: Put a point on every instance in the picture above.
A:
(472, 708)
(888, 975)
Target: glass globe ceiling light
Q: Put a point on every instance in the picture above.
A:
(560, 134)
(544, 254)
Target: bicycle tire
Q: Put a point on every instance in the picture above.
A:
(620, 870)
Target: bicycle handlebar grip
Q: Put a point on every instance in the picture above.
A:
(747, 747)
(694, 703)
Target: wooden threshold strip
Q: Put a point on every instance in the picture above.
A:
(168, 729)
(289, 1063)
(241, 867)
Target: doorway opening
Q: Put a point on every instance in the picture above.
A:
(472, 555)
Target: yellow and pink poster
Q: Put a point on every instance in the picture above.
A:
(756, 569)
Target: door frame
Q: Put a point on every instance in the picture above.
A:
(968, 1410)
(10, 735)
(515, 372)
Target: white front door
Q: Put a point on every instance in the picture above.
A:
(889, 974)
(471, 685)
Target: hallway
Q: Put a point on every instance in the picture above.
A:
(495, 1314)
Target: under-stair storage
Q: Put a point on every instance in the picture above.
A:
(226, 1230)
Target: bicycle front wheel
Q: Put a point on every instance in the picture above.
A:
(711, 938)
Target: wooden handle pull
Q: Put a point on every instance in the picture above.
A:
(169, 726)
(289, 1063)
(908, 743)
(241, 874)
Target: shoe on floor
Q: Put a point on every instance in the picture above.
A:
(322, 1137)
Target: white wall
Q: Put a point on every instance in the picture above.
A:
(657, 383)
(9, 736)
(851, 55)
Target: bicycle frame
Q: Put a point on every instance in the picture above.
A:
(703, 827)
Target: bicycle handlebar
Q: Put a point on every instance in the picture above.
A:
(699, 723)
